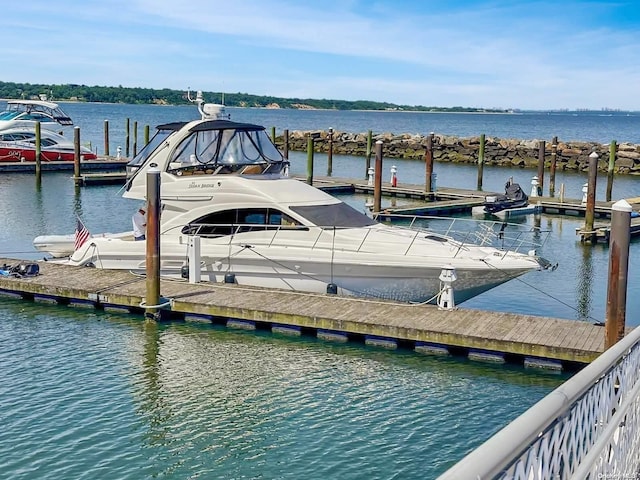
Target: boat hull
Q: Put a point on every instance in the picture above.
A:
(509, 212)
(399, 277)
(9, 153)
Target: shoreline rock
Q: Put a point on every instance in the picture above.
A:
(498, 151)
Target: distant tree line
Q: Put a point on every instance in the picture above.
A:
(165, 96)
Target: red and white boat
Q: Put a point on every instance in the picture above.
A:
(19, 145)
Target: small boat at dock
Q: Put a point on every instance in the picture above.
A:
(19, 145)
(25, 114)
(513, 203)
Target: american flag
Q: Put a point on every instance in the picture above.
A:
(81, 236)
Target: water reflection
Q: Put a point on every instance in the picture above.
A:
(584, 285)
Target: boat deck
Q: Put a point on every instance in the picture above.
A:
(523, 339)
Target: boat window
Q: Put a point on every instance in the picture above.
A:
(13, 137)
(226, 222)
(8, 115)
(247, 147)
(333, 215)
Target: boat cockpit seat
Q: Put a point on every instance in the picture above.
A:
(252, 170)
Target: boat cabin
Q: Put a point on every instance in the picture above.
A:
(27, 112)
(209, 147)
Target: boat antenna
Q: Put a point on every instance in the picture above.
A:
(199, 100)
(208, 111)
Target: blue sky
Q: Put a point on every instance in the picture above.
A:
(504, 54)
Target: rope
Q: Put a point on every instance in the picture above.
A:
(571, 307)
(143, 304)
(318, 280)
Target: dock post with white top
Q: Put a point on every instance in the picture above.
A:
(618, 272)
(588, 232)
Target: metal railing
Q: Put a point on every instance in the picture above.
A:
(466, 232)
(588, 428)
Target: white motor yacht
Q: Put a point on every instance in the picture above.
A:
(226, 183)
(25, 114)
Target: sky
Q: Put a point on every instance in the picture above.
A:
(556, 54)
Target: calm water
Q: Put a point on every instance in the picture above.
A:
(88, 394)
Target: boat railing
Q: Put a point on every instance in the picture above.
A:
(467, 231)
(461, 232)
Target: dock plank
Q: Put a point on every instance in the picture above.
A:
(463, 328)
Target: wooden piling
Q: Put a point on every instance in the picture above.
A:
(618, 272)
(146, 135)
(152, 233)
(368, 156)
(591, 195)
(611, 169)
(330, 153)
(38, 151)
(310, 160)
(552, 167)
(273, 134)
(541, 151)
(76, 156)
(106, 137)
(428, 162)
(135, 138)
(481, 161)
(285, 141)
(126, 137)
(377, 179)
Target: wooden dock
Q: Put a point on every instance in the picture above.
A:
(602, 231)
(102, 164)
(103, 178)
(446, 200)
(502, 337)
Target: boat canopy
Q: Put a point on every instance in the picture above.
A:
(34, 110)
(223, 146)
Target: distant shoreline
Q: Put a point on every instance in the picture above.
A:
(475, 112)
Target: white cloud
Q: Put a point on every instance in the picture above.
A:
(526, 55)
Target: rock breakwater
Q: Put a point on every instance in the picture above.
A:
(497, 151)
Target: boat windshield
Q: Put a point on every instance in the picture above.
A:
(36, 111)
(9, 115)
(160, 136)
(229, 148)
(334, 215)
